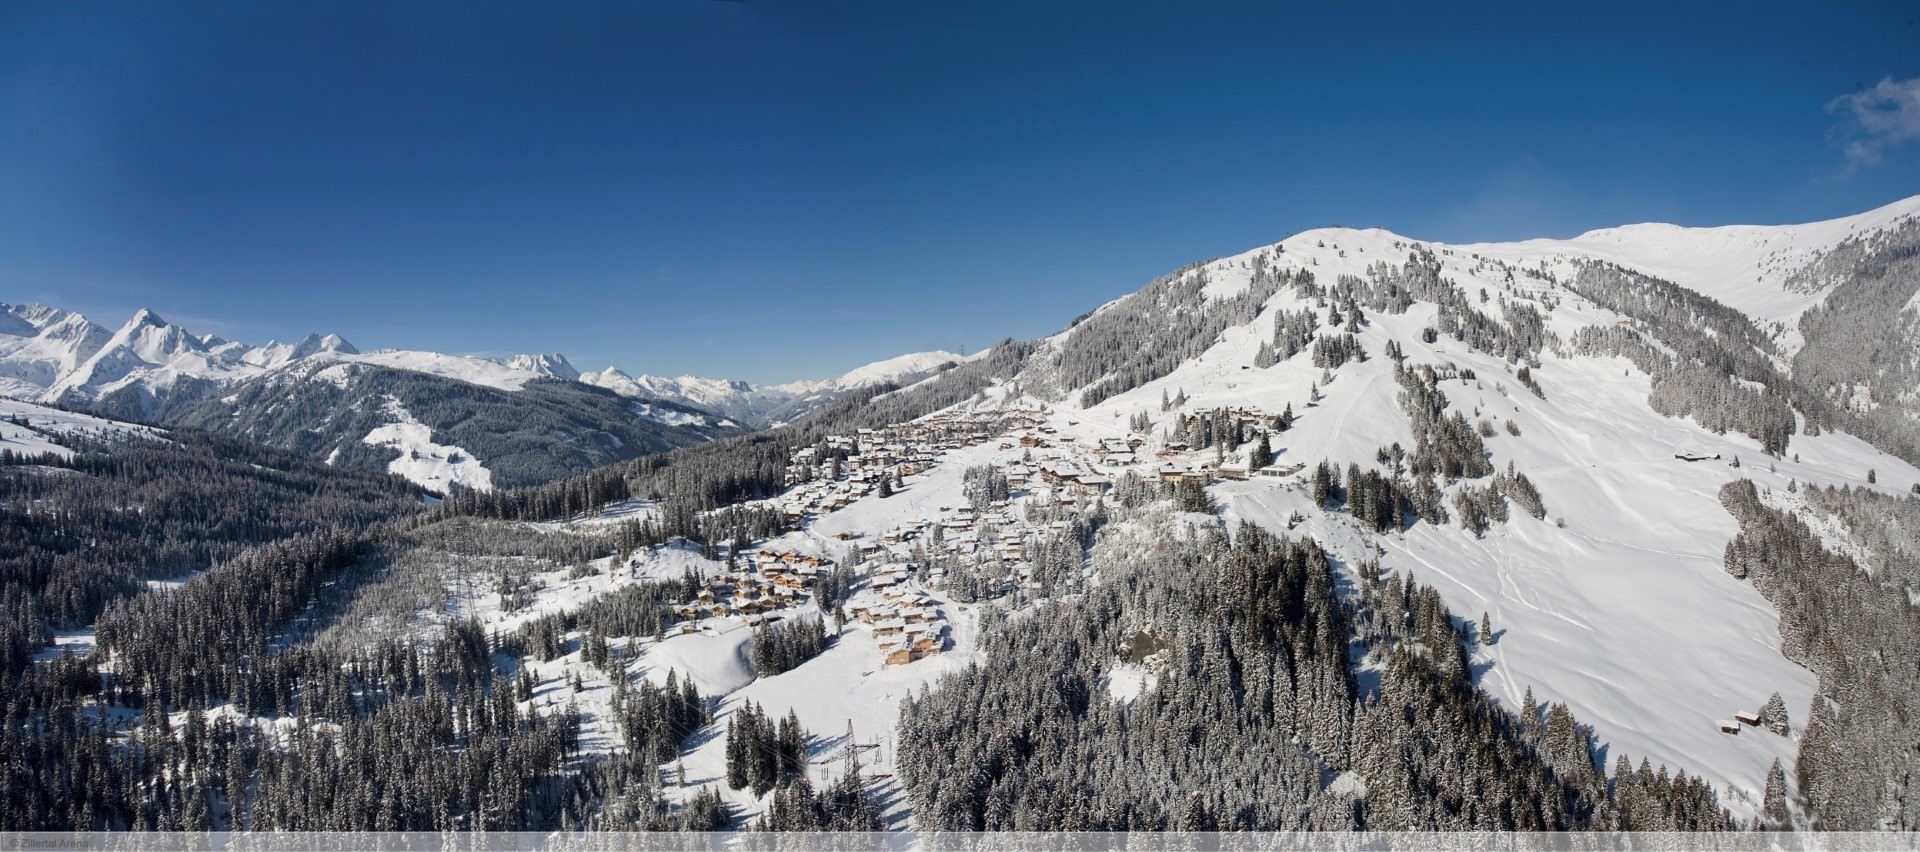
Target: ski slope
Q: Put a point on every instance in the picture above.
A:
(422, 460)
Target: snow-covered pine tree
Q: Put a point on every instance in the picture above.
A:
(1773, 808)
(1774, 715)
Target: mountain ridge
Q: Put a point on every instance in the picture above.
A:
(460, 421)
(771, 404)
(53, 355)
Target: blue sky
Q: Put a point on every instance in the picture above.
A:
(780, 190)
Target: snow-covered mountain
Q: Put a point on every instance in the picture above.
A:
(30, 429)
(1765, 271)
(291, 395)
(730, 397)
(442, 420)
(1837, 299)
(900, 369)
(277, 354)
(771, 404)
(552, 365)
(51, 355)
(1615, 601)
(39, 345)
(1543, 433)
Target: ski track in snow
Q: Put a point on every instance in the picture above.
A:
(422, 460)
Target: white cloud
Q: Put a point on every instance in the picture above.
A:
(1876, 119)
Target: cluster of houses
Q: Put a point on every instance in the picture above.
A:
(951, 430)
(841, 469)
(1065, 478)
(1249, 418)
(826, 494)
(905, 623)
(854, 466)
(958, 534)
(775, 581)
(1744, 718)
(1179, 462)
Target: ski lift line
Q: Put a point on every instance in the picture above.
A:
(769, 750)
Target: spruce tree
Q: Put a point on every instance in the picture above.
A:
(736, 756)
(1774, 715)
(1773, 809)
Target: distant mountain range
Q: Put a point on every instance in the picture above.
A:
(322, 396)
(766, 405)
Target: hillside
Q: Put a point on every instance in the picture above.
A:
(1625, 567)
